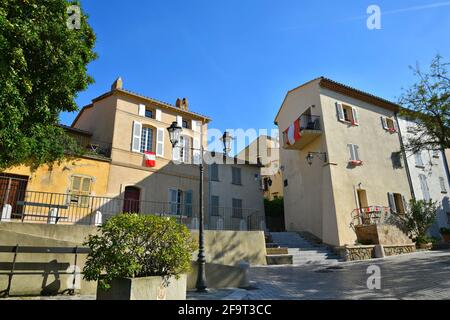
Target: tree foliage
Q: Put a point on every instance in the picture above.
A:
(427, 103)
(417, 221)
(131, 245)
(42, 68)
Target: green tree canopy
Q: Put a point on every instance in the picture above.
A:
(43, 63)
(427, 103)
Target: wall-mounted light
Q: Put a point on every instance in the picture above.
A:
(321, 155)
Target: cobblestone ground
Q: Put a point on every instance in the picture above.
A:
(422, 275)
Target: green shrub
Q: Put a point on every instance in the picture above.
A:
(419, 217)
(132, 246)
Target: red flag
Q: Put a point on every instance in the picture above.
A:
(150, 159)
(292, 133)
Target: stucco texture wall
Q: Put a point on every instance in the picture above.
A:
(57, 179)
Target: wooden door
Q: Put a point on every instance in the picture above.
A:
(131, 200)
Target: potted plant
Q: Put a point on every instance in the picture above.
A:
(416, 222)
(140, 257)
(445, 232)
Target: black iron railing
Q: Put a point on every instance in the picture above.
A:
(308, 122)
(60, 208)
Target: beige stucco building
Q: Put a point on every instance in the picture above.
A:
(131, 125)
(265, 150)
(235, 194)
(352, 137)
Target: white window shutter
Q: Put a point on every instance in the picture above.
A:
(355, 116)
(384, 123)
(405, 204)
(187, 150)
(180, 121)
(352, 152)
(196, 152)
(142, 110)
(419, 161)
(160, 142)
(356, 152)
(194, 126)
(136, 134)
(395, 125)
(392, 202)
(424, 186)
(340, 111)
(158, 115)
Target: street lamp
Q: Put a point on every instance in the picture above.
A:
(321, 155)
(174, 134)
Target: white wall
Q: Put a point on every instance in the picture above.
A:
(433, 169)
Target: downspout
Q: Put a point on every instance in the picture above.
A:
(405, 159)
(446, 165)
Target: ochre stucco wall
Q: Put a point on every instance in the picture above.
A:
(58, 178)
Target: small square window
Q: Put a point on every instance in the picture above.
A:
(149, 114)
(185, 124)
(286, 182)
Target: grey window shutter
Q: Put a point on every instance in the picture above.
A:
(136, 136)
(392, 202)
(340, 111)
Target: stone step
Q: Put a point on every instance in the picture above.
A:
(283, 259)
(275, 251)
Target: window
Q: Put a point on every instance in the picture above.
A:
(237, 208)
(442, 182)
(389, 124)
(286, 183)
(397, 160)
(185, 149)
(214, 206)
(397, 203)
(149, 114)
(354, 152)
(236, 176)
(424, 187)
(214, 172)
(419, 160)
(175, 200)
(146, 139)
(80, 189)
(185, 124)
(347, 114)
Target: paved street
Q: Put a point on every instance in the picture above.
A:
(421, 275)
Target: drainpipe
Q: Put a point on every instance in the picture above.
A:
(405, 159)
(446, 165)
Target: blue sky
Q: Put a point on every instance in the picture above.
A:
(236, 59)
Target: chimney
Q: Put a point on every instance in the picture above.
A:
(118, 84)
(178, 103)
(185, 104)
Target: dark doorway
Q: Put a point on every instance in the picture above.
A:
(131, 200)
(12, 190)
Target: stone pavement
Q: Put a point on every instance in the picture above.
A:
(421, 275)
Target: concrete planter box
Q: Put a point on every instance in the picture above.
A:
(148, 288)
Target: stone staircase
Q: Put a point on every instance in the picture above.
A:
(302, 251)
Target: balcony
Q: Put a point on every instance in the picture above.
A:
(305, 130)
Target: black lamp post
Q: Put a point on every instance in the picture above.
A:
(174, 134)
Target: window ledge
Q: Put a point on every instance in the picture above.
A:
(237, 184)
